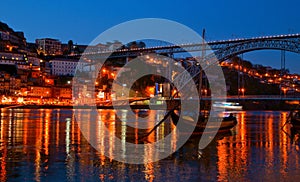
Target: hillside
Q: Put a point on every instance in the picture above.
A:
(4, 27)
(252, 86)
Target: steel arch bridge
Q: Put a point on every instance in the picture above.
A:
(230, 49)
(227, 49)
(223, 49)
(291, 45)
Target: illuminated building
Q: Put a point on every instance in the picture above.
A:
(48, 46)
(61, 67)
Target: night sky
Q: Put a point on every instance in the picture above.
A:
(82, 21)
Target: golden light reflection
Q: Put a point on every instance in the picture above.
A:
(111, 129)
(68, 138)
(149, 167)
(57, 129)
(284, 143)
(174, 137)
(46, 131)
(271, 144)
(229, 156)
(123, 134)
(3, 149)
(100, 140)
(33, 140)
(152, 118)
(38, 148)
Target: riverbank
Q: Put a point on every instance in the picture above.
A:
(77, 107)
(247, 105)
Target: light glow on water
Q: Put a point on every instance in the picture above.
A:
(47, 145)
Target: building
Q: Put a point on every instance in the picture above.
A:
(109, 46)
(40, 91)
(12, 56)
(9, 84)
(65, 67)
(62, 92)
(114, 45)
(73, 49)
(21, 61)
(48, 46)
(12, 40)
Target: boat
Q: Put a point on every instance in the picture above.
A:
(228, 105)
(202, 124)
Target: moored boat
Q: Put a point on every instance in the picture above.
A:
(203, 125)
(228, 105)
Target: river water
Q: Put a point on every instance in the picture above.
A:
(48, 145)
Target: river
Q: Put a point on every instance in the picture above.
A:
(48, 145)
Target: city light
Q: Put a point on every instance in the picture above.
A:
(284, 90)
(243, 91)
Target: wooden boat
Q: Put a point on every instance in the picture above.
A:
(226, 125)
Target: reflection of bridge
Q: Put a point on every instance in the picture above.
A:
(222, 49)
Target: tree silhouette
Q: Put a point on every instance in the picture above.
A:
(70, 46)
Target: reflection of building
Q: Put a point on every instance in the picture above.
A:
(48, 46)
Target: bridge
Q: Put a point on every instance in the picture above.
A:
(223, 49)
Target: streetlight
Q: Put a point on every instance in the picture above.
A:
(243, 91)
(113, 75)
(284, 91)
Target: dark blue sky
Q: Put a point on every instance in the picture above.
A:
(82, 21)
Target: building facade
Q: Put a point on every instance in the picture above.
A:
(39, 91)
(65, 67)
(48, 46)
(12, 40)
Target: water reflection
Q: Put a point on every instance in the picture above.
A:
(48, 145)
(260, 150)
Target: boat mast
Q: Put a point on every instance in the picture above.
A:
(201, 71)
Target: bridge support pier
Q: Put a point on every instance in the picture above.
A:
(282, 69)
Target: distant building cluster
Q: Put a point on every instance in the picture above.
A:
(42, 71)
